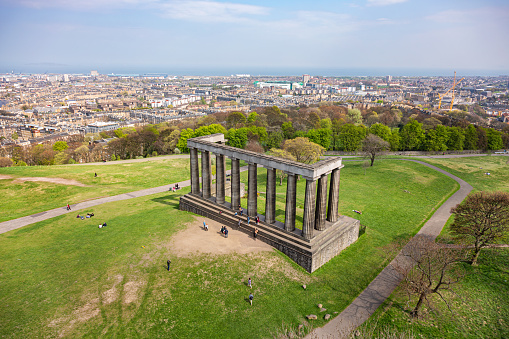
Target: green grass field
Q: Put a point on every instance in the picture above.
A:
(66, 277)
(481, 307)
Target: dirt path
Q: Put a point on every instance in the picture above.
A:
(194, 239)
(61, 181)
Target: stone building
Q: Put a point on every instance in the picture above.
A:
(324, 232)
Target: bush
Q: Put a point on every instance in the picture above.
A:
(176, 150)
(154, 154)
(5, 162)
(20, 163)
(72, 161)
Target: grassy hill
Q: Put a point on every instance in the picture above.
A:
(66, 277)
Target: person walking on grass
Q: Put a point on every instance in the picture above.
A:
(251, 297)
(249, 283)
(68, 207)
(168, 263)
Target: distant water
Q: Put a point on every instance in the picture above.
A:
(254, 71)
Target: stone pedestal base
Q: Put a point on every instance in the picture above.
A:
(308, 253)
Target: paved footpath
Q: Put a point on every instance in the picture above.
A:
(10, 225)
(384, 284)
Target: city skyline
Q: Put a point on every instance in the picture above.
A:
(358, 37)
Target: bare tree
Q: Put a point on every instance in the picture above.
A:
(481, 219)
(426, 268)
(374, 146)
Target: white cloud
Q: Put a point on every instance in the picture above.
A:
(210, 11)
(384, 2)
(77, 4)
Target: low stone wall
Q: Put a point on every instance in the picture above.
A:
(310, 254)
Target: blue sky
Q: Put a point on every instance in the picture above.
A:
(246, 36)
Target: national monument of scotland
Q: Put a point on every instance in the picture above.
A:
(324, 233)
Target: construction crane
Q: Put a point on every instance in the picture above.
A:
(454, 83)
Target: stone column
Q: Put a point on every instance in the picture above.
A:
(195, 172)
(309, 209)
(220, 179)
(235, 178)
(321, 203)
(332, 209)
(252, 190)
(291, 200)
(205, 174)
(270, 203)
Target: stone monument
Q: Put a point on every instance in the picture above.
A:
(324, 232)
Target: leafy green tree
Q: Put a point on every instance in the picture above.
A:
(482, 139)
(354, 116)
(351, 136)
(257, 133)
(471, 138)
(412, 136)
(381, 131)
(456, 139)
(15, 136)
(237, 137)
(274, 140)
(321, 136)
(182, 143)
(436, 139)
(395, 140)
(252, 117)
(326, 123)
(304, 150)
(60, 146)
(208, 130)
(288, 130)
(61, 158)
(494, 139)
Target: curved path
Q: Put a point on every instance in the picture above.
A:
(13, 224)
(358, 311)
(384, 284)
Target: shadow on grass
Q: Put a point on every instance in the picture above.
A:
(362, 230)
(171, 200)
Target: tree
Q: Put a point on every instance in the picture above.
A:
(288, 130)
(412, 136)
(435, 139)
(234, 119)
(254, 146)
(481, 219)
(321, 136)
(237, 137)
(252, 117)
(494, 139)
(60, 146)
(5, 162)
(274, 140)
(456, 139)
(350, 137)
(304, 150)
(426, 267)
(15, 136)
(354, 116)
(471, 138)
(381, 131)
(182, 143)
(280, 153)
(274, 116)
(374, 146)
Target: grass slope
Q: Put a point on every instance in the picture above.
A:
(65, 276)
(481, 307)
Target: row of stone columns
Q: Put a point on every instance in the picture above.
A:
(315, 200)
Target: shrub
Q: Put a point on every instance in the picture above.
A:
(5, 162)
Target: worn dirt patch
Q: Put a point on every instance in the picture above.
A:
(194, 239)
(52, 180)
(131, 291)
(3, 176)
(112, 294)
